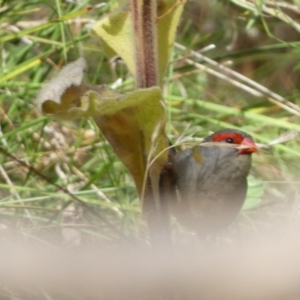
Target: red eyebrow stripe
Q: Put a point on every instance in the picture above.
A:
(237, 138)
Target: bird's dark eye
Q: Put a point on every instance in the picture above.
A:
(229, 141)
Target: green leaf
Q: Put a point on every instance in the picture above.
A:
(117, 34)
(133, 123)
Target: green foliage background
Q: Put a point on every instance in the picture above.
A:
(259, 41)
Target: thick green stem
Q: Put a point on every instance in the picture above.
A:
(144, 16)
(146, 58)
(150, 42)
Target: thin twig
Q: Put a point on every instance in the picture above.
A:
(259, 91)
(64, 190)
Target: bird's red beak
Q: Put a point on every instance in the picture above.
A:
(248, 146)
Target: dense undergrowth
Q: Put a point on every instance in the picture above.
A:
(235, 64)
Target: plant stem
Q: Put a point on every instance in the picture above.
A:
(144, 20)
(149, 42)
(144, 16)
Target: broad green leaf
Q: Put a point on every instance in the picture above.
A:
(134, 126)
(133, 123)
(117, 35)
(168, 13)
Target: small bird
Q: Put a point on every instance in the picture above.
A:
(211, 180)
